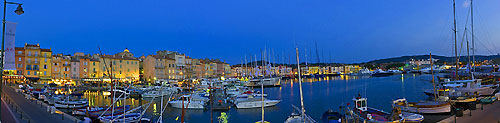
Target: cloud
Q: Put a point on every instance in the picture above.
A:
(466, 4)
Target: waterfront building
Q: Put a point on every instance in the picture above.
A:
(33, 62)
(155, 68)
(61, 68)
(125, 68)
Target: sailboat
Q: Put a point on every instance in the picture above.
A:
(424, 107)
(302, 117)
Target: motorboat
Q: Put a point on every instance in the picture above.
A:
(381, 73)
(128, 118)
(71, 103)
(254, 102)
(425, 107)
(331, 116)
(365, 113)
(188, 101)
(266, 82)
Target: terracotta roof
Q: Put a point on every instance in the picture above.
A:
(31, 45)
(161, 57)
(117, 57)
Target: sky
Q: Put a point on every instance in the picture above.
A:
(345, 31)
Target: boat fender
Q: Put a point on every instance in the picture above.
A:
(369, 116)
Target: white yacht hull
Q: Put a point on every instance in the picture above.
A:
(187, 104)
(257, 104)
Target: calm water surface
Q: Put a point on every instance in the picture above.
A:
(319, 96)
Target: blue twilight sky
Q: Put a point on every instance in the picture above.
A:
(346, 31)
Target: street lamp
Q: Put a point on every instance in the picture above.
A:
(18, 11)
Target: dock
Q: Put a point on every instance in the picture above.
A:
(18, 108)
(489, 113)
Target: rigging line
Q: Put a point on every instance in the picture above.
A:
(487, 33)
(464, 35)
(482, 44)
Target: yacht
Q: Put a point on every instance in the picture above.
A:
(254, 102)
(272, 81)
(188, 101)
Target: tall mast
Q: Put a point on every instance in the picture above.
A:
(262, 91)
(300, 86)
(455, 33)
(432, 72)
(246, 67)
(472, 33)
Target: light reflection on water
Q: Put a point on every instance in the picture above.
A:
(319, 96)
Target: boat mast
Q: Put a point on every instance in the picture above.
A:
(110, 74)
(246, 66)
(455, 33)
(300, 86)
(432, 72)
(472, 35)
(262, 90)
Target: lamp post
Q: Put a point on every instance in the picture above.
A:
(18, 11)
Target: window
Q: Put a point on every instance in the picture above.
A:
(19, 52)
(120, 66)
(136, 62)
(29, 53)
(19, 65)
(29, 60)
(44, 72)
(94, 70)
(65, 69)
(66, 63)
(127, 61)
(28, 73)
(44, 66)
(93, 63)
(84, 69)
(45, 60)
(65, 75)
(36, 54)
(34, 73)
(28, 67)
(74, 69)
(120, 61)
(128, 70)
(55, 69)
(35, 67)
(36, 60)
(19, 59)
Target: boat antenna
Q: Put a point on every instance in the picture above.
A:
(300, 86)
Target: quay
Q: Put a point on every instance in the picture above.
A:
(16, 108)
(489, 113)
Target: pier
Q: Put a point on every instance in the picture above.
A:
(487, 113)
(17, 108)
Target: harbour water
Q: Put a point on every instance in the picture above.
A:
(319, 96)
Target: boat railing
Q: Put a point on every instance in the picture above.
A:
(307, 119)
